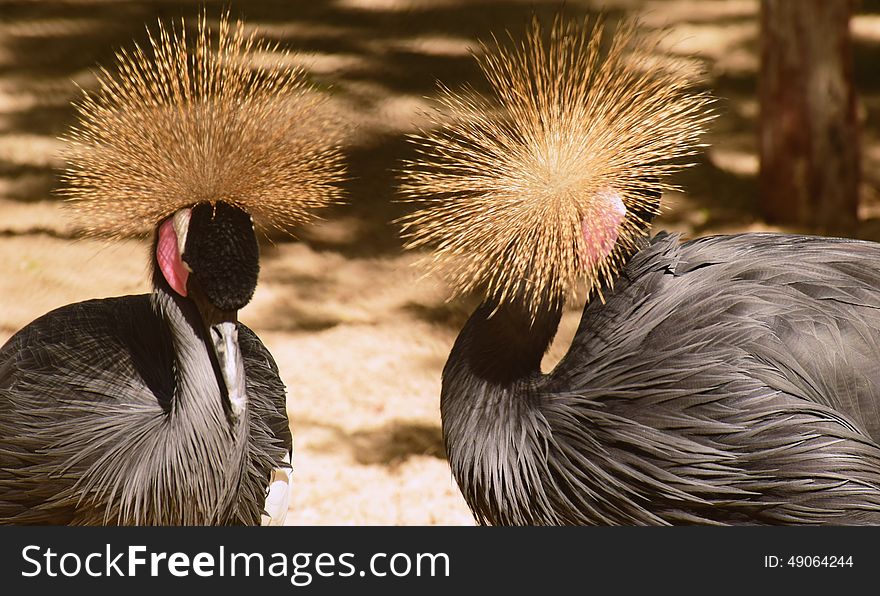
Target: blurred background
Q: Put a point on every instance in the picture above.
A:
(359, 336)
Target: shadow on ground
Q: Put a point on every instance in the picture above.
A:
(389, 445)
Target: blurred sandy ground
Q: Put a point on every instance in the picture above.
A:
(360, 338)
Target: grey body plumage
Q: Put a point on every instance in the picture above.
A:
(112, 414)
(726, 380)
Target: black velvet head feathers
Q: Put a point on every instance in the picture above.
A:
(222, 251)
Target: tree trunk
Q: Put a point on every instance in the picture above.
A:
(809, 133)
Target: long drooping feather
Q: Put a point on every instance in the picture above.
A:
(513, 184)
(222, 117)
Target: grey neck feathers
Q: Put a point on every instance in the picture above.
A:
(191, 458)
(493, 425)
(200, 393)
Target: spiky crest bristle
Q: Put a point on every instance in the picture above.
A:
(506, 180)
(189, 122)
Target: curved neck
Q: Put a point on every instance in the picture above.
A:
(489, 387)
(503, 344)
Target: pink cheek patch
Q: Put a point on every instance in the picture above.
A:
(168, 256)
(601, 226)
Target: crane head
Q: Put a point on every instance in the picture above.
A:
(210, 255)
(545, 184)
(214, 247)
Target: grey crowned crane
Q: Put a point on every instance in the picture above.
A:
(164, 409)
(724, 380)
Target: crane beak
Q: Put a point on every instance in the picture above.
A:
(224, 336)
(222, 328)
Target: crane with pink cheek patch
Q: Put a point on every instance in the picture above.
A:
(163, 408)
(724, 380)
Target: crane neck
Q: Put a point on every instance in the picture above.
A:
(198, 388)
(502, 344)
(492, 383)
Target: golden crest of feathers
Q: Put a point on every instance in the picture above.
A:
(508, 183)
(222, 117)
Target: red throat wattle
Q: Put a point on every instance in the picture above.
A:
(168, 256)
(601, 226)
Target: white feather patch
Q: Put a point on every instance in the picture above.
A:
(278, 499)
